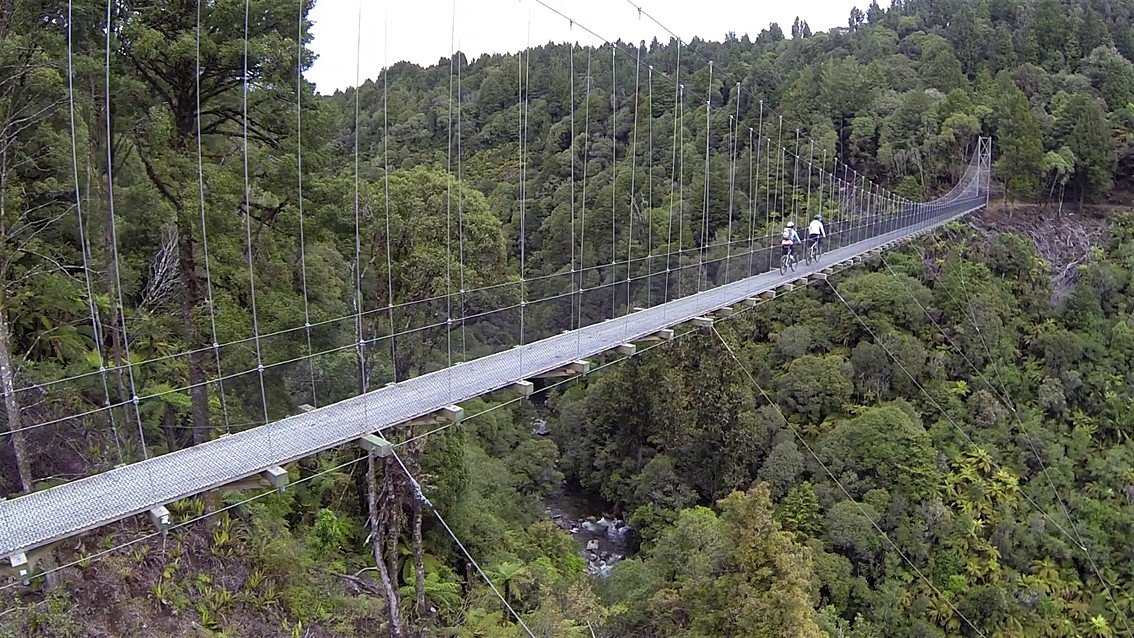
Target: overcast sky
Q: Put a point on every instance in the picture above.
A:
(422, 31)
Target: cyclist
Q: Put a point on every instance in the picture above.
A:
(790, 238)
(815, 231)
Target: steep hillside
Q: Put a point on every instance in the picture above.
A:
(1066, 240)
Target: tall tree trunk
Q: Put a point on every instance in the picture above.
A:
(193, 298)
(418, 553)
(167, 424)
(378, 542)
(1059, 211)
(12, 406)
(7, 373)
(391, 508)
(507, 597)
(418, 562)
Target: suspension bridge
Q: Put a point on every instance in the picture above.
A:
(44, 517)
(862, 218)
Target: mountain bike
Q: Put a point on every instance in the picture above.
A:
(814, 252)
(787, 262)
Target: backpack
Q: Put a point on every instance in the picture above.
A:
(787, 233)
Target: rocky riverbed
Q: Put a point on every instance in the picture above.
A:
(601, 537)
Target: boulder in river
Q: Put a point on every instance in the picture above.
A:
(539, 427)
(617, 532)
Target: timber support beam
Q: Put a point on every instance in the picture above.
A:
(665, 334)
(447, 414)
(275, 477)
(573, 369)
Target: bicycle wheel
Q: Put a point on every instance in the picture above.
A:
(791, 262)
(809, 255)
(783, 265)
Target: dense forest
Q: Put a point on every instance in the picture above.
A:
(937, 444)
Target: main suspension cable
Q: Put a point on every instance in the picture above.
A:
(461, 211)
(386, 195)
(114, 236)
(650, 191)
(613, 177)
(732, 177)
(524, 63)
(299, 203)
(583, 200)
(84, 245)
(705, 207)
(360, 348)
(248, 224)
(449, 205)
(210, 301)
(673, 181)
(575, 270)
(633, 182)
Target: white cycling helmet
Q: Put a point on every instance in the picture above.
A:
(791, 224)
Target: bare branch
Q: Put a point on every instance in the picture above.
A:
(165, 272)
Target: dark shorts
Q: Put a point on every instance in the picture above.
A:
(814, 238)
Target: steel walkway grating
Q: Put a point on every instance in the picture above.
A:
(44, 517)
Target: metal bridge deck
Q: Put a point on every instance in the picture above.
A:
(53, 514)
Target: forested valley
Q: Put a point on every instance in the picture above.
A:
(938, 443)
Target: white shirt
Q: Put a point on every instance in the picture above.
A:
(816, 228)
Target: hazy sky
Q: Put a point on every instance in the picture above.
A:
(423, 31)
